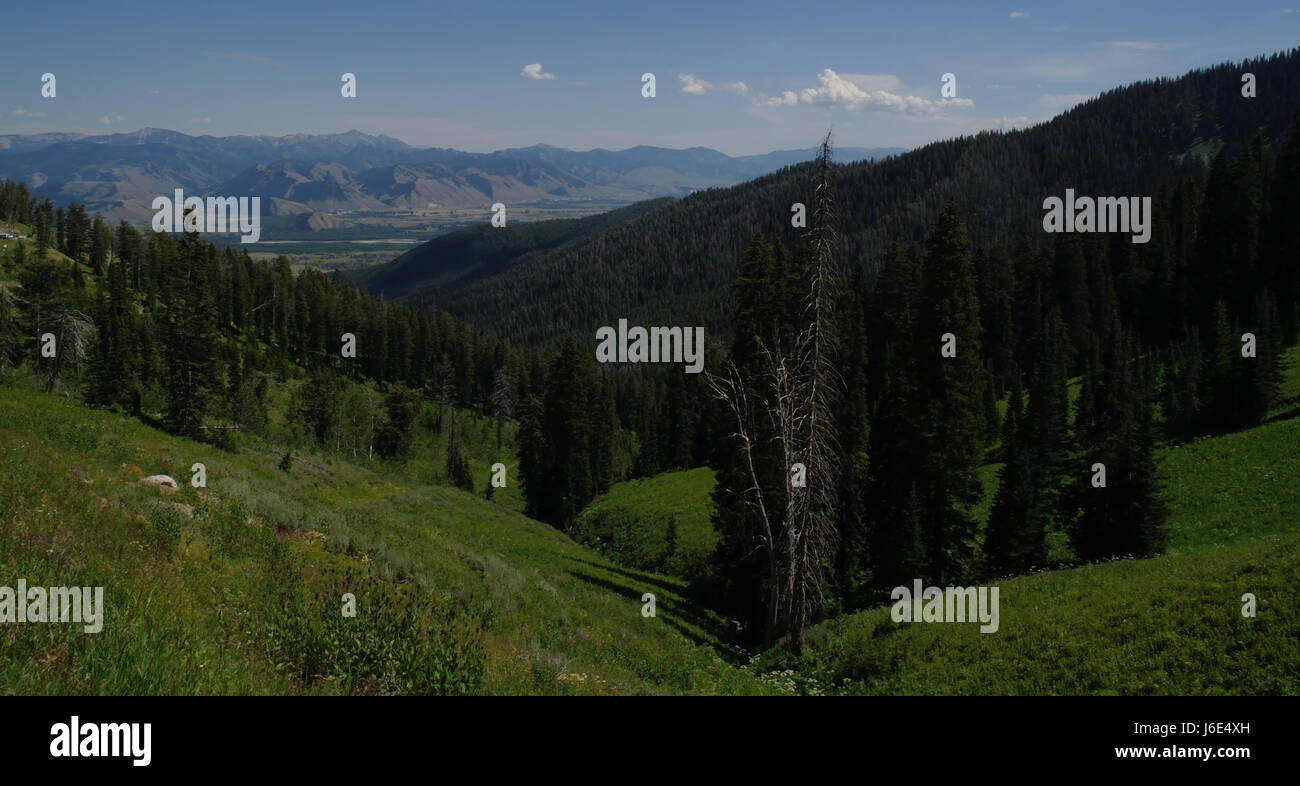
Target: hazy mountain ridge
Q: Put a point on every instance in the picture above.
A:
(120, 174)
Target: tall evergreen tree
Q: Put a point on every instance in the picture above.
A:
(1125, 516)
(534, 461)
(189, 349)
(1014, 533)
(952, 425)
(853, 561)
(1046, 430)
(896, 550)
(113, 368)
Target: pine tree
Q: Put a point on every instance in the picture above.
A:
(1011, 519)
(113, 370)
(1282, 241)
(457, 465)
(101, 243)
(502, 399)
(1258, 377)
(1218, 385)
(9, 330)
(44, 227)
(604, 430)
(1145, 534)
(952, 424)
(1117, 430)
(1046, 431)
(534, 461)
(189, 350)
(997, 292)
(568, 444)
(852, 563)
(402, 407)
(896, 551)
(1182, 401)
(676, 425)
(1071, 290)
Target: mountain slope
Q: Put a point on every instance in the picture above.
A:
(236, 588)
(483, 250)
(675, 265)
(1171, 625)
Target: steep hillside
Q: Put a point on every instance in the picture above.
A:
(676, 264)
(237, 588)
(474, 252)
(1167, 625)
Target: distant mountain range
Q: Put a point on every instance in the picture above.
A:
(119, 175)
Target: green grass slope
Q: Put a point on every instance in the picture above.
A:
(631, 523)
(236, 588)
(1168, 625)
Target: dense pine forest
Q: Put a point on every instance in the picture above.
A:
(887, 351)
(171, 328)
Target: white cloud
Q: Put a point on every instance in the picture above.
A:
(28, 113)
(1061, 101)
(154, 92)
(109, 120)
(202, 121)
(693, 85)
(847, 91)
(534, 71)
(697, 87)
(888, 82)
(787, 98)
(1019, 14)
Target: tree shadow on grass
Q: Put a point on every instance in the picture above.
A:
(640, 577)
(674, 610)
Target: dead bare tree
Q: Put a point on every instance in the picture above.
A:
(75, 330)
(813, 508)
(444, 389)
(501, 399)
(791, 401)
(731, 388)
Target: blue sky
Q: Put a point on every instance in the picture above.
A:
(737, 77)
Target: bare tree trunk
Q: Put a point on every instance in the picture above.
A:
(814, 512)
(795, 393)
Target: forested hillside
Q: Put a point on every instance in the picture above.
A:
(675, 265)
(476, 252)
